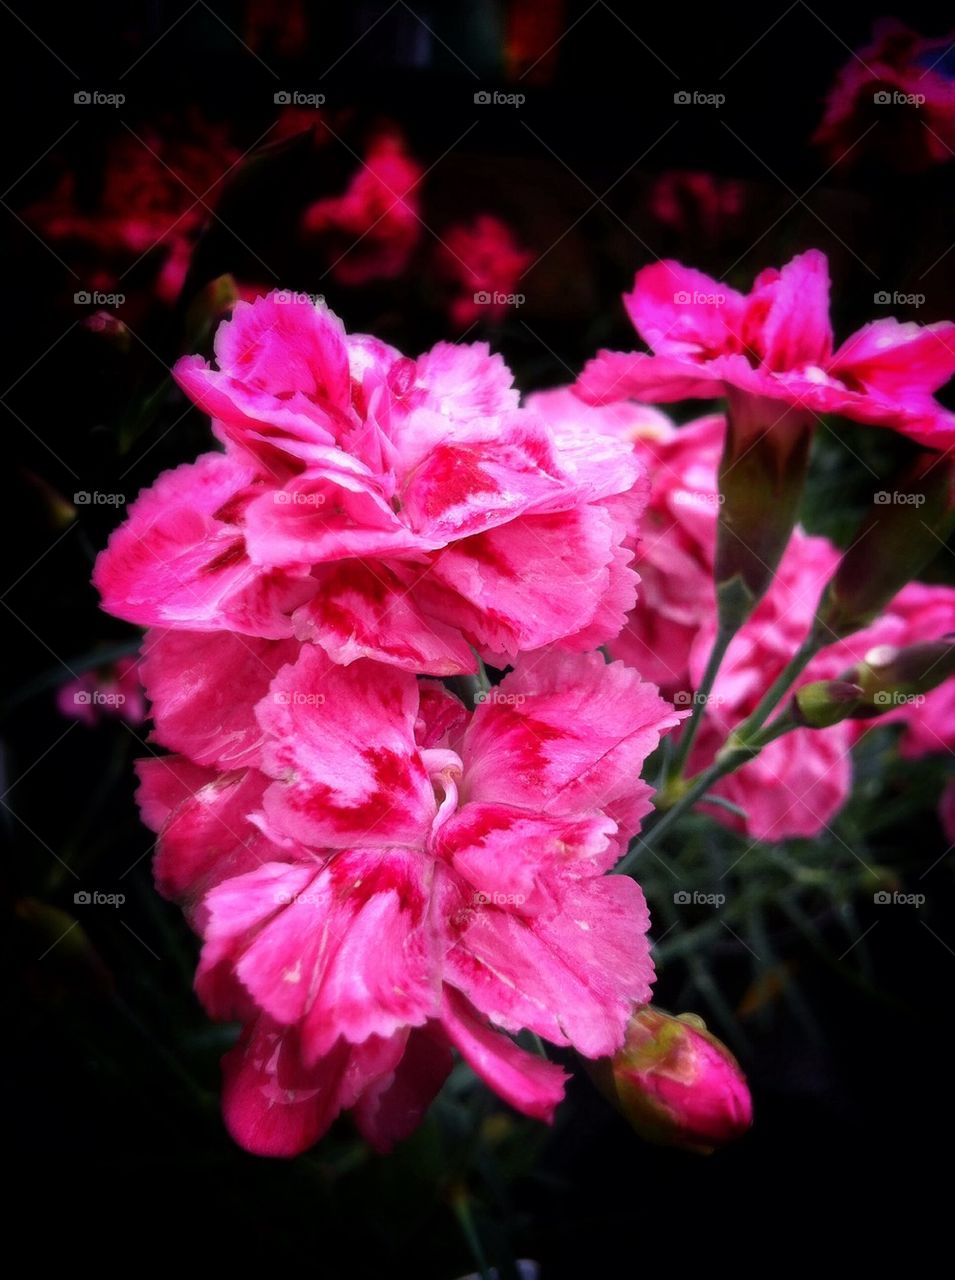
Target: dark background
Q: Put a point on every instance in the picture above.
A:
(117, 1156)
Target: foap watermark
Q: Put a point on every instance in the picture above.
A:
(893, 698)
(487, 298)
(500, 698)
(896, 98)
(896, 899)
(284, 898)
(895, 299)
(292, 297)
(286, 499)
(684, 898)
(98, 698)
(483, 898)
(688, 698)
(698, 298)
(696, 98)
(97, 98)
(94, 298)
(688, 498)
(297, 698)
(494, 98)
(83, 498)
(97, 898)
(898, 498)
(297, 98)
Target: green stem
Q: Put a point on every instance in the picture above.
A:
(722, 642)
(780, 686)
(734, 753)
(461, 1204)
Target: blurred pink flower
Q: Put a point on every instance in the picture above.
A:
(798, 783)
(374, 226)
(382, 507)
(775, 345)
(113, 692)
(695, 204)
(894, 100)
(483, 264)
(153, 197)
(379, 875)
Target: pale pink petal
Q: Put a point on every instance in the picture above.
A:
(677, 310)
(178, 560)
(370, 610)
(566, 734)
(165, 782)
(193, 679)
(632, 375)
(572, 975)
(528, 1083)
(483, 478)
(341, 748)
(525, 584)
(315, 518)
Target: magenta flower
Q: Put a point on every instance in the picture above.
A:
(374, 226)
(771, 351)
(114, 692)
(380, 506)
(483, 263)
(379, 876)
(899, 84)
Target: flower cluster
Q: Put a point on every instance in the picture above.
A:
(379, 874)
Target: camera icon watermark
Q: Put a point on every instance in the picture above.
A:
(500, 699)
(689, 698)
(885, 299)
(97, 898)
(296, 98)
(695, 98)
(487, 298)
(95, 298)
(297, 698)
(896, 98)
(885, 899)
(294, 297)
(698, 298)
(484, 898)
(96, 98)
(684, 898)
(84, 498)
(487, 97)
(898, 498)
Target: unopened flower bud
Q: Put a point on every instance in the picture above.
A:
(890, 677)
(676, 1083)
(825, 702)
(896, 540)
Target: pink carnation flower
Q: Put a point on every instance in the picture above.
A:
(775, 344)
(483, 263)
(798, 783)
(114, 692)
(383, 507)
(379, 876)
(374, 226)
(898, 84)
(677, 531)
(924, 612)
